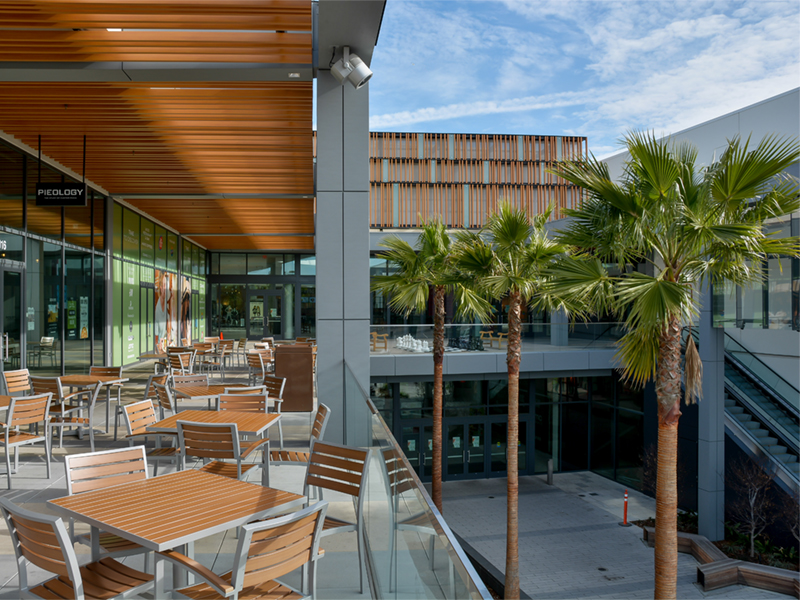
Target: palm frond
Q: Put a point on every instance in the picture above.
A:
(638, 353)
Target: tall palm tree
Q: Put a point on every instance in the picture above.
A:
(418, 270)
(507, 260)
(687, 226)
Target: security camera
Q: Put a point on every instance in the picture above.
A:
(351, 68)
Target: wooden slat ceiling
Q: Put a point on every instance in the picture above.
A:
(256, 242)
(174, 138)
(252, 31)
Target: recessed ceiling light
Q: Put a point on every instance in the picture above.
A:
(113, 29)
(294, 75)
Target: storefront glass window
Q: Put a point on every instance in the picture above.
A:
(44, 307)
(78, 271)
(308, 310)
(233, 264)
(308, 264)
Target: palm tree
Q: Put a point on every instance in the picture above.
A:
(508, 260)
(687, 226)
(418, 270)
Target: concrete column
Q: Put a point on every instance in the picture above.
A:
(559, 328)
(711, 427)
(342, 245)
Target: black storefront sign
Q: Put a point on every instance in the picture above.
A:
(61, 194)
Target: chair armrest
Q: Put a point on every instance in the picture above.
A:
(214, 580)
(251, 448)
(70, 395)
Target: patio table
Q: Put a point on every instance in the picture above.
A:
(165, 512)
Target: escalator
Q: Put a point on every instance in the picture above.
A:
(762, 412)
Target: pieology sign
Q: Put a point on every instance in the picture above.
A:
(60, 194)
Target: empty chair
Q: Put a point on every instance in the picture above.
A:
(98, 470)
(218, 442)
(241, 351)
(178, 381)
(110, 372)
(149, 394)
(138, 417)
(294, 457)
(211, 339)
(27, 410)
(164, 399)
(47, 347)
(267, 549)
(203, 349)
(17, 382)
(341, 469)
(275, 387)
(68, 416)
(67, 404)
(180, 363)
(216, 360)
(43, 541)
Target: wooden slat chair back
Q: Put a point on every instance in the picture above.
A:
(250, 389)
(186, 380)
(150, 389)
(217, 360)
(17, 382)
(22, 411)
(294, 457)
(164, 399)
(241, 351)
(243, 402)
(43, 540)
(210, 339)
(110, 372)
(342, 469)
(138, 417)
(267, 550)
(47, 385)
(99, 470)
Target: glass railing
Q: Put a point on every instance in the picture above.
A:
(536, 337)
(410, 549)
(777, 384)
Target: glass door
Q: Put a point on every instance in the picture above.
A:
(11, 346)
(466, 450)
(264, 314)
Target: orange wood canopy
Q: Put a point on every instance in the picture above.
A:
(168, 139)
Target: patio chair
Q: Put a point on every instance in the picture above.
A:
(43, 540)
(241, 352)
(342, 469)
(275, 387)
(293, 457)
(203, 351)
(217, 359)
(149, 394)
(164, 399)
(256, 367)
(244, 401)
(17, 382)
(110, 372)
(67, 402)
(138, 417)
(65, 416)
(378, 341)
(47, 347)
(211, 339)
(99, 470)
(180, 363)
(267, 549)
(184, 380)
(219, 442)
(26, 411)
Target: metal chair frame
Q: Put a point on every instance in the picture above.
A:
(26, 411)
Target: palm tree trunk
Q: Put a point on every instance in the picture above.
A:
(668, 394)
(438, 361)
(513, 357)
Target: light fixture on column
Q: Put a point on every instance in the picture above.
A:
(351, 68)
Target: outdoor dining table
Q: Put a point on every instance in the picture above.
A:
(172, 510)
(202, 392)
(253, 424)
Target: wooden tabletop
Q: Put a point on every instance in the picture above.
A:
(248, 423)
(202, 392)
(90, 380)
(166, 511)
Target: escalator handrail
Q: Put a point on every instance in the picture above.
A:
(730, 338)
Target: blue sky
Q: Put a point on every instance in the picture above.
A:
(578, 67)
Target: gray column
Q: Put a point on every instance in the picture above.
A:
(559, 328)
(711, 427)
(342, 245)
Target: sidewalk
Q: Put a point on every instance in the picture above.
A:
(570, 543)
